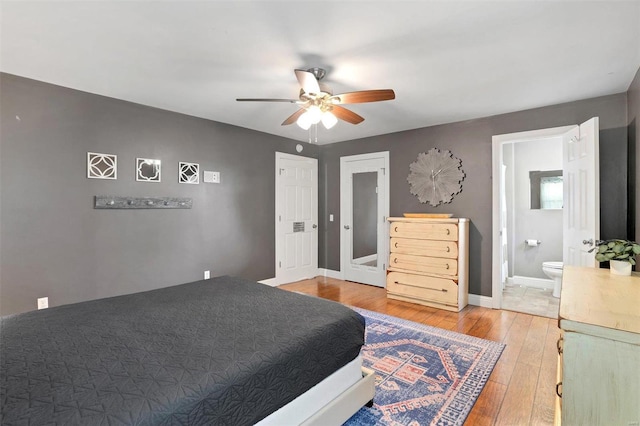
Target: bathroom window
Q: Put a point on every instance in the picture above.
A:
(546, 189)
(551, 192)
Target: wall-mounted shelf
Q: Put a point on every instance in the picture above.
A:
(112, 202)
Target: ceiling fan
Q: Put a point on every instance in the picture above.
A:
(318, 103)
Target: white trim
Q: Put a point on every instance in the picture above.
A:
(496, 146)
(269, 281)
(533, 282)
(483, 301)
(330, 273)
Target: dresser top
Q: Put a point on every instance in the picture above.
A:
(595, 297)
(428, 219)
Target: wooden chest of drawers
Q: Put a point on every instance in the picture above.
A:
(429, 262)
(599, 356)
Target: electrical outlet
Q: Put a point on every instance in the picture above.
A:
(43, 302)
(207, 275)
(211, 177)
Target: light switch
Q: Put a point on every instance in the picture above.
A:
(330, 218)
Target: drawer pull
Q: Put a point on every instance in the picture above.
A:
(448, 231)
(559, 346)
(558, 387)
(420, 246)
(434, 265)
(444, 290)
(396, 229)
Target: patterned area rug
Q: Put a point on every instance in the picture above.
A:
(424, 375)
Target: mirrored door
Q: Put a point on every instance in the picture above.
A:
(365, 207)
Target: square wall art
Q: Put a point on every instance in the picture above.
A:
(102, 166)
(147, 170)
(189, 173)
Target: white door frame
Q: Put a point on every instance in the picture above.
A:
(383, 213)
(280, 156)
(497, 144)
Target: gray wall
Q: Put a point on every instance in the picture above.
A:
(469, 141)
(537, 224)
(55, 244)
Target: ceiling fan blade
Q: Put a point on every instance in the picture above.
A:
(346, 115)
(308, 81)
(365, 96)
(293, 117)
(292, 101)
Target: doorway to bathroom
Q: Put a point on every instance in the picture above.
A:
(545, 206)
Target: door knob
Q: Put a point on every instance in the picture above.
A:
(588, 242)
(346, 227)
(315, 226)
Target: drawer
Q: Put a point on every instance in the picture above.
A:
(424, 231)
(430, 265)
(424, 247)
(423, 287)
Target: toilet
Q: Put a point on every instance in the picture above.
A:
(554, 271)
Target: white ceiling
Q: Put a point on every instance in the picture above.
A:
(447, 61)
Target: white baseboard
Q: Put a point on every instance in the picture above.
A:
(270, 282)
(330, 273)
(483, 301)
(533, 282)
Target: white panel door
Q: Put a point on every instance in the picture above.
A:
(581, 212)
(296, 218)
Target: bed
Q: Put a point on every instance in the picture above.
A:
(220, 351)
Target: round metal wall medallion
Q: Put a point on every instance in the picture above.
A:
(436, 177)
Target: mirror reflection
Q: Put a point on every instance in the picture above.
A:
(546, 189)
(365, 229)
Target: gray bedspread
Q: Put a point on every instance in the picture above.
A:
(222, 351)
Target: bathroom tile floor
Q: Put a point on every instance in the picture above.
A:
(530, 300)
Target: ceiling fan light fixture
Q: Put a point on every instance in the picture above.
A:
(304, 121)
(329, 120)
(314, 113)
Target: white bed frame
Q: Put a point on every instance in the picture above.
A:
(330, 402)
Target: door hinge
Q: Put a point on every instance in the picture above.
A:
(279, 264)
(384, 171)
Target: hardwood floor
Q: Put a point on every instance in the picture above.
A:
(521, 389)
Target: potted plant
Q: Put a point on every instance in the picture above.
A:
(620, 253)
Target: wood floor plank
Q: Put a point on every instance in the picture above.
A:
(543, 404)
(532, 347)
(521, 389)
(486, 408)
(514, 340)
(484, 323)
(518, 400)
